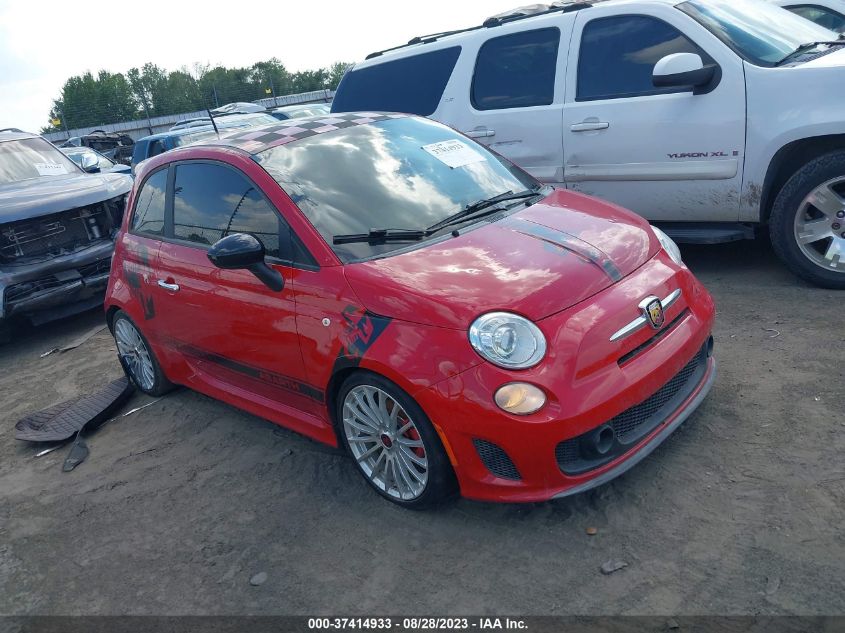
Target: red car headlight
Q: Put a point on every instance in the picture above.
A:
(507, 340)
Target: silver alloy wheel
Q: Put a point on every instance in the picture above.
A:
(132, 349)
(820, 225)
(385, 442)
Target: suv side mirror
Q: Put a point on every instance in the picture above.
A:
(90, 164)
(680, 70)
(244, 251)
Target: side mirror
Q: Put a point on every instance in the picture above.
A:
(682, 70)
(90, 164)
(244, 251)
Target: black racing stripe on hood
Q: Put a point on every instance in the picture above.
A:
(571, 243)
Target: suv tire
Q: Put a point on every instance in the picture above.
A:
(807, 225)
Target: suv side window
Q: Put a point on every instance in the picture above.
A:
(822, 16)
(212, 201)
(412, 84)
(149, 207)
(516, 71)
(618, 55)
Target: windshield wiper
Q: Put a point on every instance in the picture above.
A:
(473, 211)
(382, 235)
(810, 45)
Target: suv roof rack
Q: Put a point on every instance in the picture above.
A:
(489, 23)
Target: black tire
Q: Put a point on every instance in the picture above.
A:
(161, 385)
(786, 207)
(441, 485)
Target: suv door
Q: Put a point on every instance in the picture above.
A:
(515, 96)
(665, 153)
(233, 332)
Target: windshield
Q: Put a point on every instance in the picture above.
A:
(32, 158)
(759, 32)
(403, 173)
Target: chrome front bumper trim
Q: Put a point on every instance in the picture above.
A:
(640, 321)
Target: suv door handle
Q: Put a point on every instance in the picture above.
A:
(480, 133)
(589, 125)
(171, 287)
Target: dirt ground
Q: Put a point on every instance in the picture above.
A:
(179, 505)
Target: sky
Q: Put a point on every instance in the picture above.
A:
(44, 43)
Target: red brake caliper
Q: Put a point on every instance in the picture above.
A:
(412, 434)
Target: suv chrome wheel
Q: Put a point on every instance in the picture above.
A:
(385, 442)
(134, 353)
(820, 225)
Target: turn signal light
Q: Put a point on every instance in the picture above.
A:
(520, 398)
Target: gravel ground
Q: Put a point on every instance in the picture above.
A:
(181, 504)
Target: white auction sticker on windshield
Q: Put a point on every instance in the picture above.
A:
(454, 153)
(50, 169)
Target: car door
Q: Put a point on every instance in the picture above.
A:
(515, 83)
(665, 153)
(233, 333)
(140, 245)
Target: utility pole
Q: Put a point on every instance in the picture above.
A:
(216, 104)
(273, 90)
(146, 111)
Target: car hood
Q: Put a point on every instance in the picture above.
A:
(836, 59)
(43, 196)
(535, 262)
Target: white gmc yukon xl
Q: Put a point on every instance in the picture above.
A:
(706, 116)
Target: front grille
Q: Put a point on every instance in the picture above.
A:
(639, 349)
(96, 268)
(578, 454)
(496, 459)
(56, 234)
(627, 423)
(17, 292)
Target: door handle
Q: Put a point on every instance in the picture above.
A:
(480, 133)
(588, 126)
(171, 287)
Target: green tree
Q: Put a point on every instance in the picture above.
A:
(335, 74)
(91, 101)
(271, 75)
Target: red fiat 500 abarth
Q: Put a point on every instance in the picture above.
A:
(382, 282)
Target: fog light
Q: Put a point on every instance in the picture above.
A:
(520, 398)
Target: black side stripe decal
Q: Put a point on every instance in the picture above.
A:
(286, 383)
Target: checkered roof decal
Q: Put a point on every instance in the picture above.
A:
(255, 140)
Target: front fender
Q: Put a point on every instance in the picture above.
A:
(787, 105)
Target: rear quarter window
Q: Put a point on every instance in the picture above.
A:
(413, 84)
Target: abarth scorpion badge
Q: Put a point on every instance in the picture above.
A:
(653, 312)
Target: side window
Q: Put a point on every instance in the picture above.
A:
(618, 55)
(213, 201)
(149, 207)
(516, 71)
(820, 15)
(413, 84)
(156, 148)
